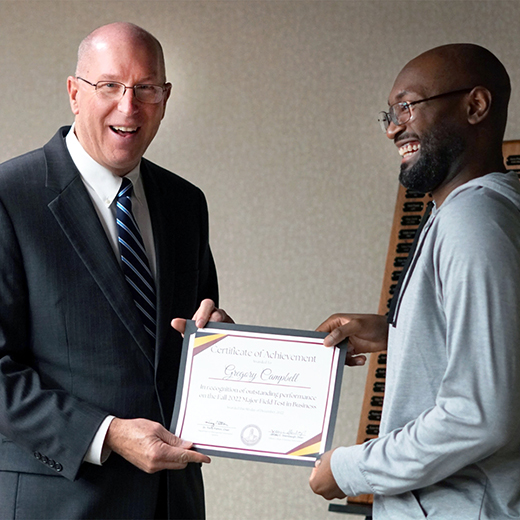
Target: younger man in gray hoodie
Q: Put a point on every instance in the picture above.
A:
(449, 444)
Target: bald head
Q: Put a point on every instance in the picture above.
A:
(119, 95)
(118, 34)
(458, 66)
(452, 112)
(459, 63)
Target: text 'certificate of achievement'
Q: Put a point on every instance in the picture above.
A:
(257, 393)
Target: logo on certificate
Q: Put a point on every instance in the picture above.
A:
(251, 435)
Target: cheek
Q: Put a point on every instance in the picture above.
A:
(418, 127)
(94, 112)
(91, 128)
(153, 121)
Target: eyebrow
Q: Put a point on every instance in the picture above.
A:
(400, 96)
(110, 77)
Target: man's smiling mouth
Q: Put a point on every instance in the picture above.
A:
(124, 130)
(409, 149)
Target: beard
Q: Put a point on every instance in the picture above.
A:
(439, 151)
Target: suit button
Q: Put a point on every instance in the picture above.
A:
(52, 463)
(45, 459)
(37, 455)
(58, 467)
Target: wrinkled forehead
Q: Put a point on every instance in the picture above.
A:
(108, 53)
(425, 76)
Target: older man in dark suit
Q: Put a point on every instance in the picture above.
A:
(88, 360)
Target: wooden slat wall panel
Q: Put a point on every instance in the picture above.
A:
(409, 209)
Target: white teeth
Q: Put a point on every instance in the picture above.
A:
(408, 149)
(125, 128)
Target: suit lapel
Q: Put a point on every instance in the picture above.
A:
(164, 253)
(78, 219)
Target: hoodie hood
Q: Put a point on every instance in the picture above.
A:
(506, 184)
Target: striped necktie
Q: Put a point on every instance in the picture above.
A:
(134, 260)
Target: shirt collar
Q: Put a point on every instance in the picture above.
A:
(105, 183)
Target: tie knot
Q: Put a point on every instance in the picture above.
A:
(126, 188)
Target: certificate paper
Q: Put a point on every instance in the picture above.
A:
(258, 394)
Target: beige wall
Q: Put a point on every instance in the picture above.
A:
(273, 115)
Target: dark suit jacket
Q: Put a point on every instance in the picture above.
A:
(72, 347)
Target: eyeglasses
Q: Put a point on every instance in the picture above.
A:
(401, 113)
(114, 91)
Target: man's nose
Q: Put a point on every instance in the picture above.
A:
(393, 129)
(128, 103)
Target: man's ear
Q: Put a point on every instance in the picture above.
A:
(72, 89)
(167, 93)
(479, 105)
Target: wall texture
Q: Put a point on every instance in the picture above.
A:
(273, 115)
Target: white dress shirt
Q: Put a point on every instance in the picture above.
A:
(103, 187)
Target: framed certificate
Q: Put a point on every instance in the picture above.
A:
(257, 393)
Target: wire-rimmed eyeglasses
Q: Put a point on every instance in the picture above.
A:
(114, 91)
(400, 113)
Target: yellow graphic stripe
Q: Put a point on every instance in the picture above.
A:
(202, 340)
(308, 450)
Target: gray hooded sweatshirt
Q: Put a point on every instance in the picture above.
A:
(449, 445)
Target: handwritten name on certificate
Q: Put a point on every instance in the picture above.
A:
(257, 393)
